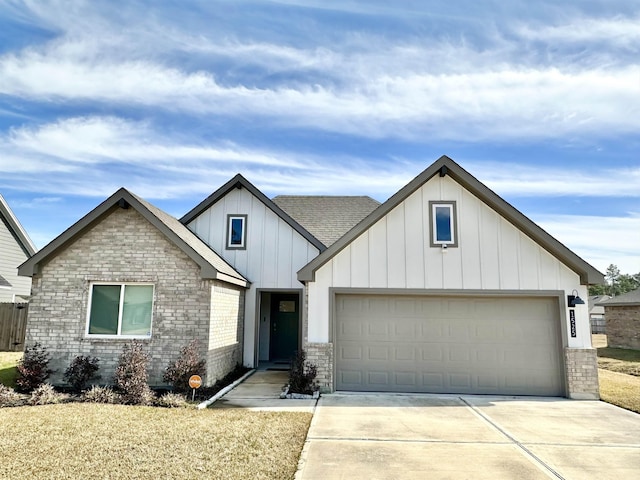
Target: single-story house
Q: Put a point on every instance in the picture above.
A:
(622, 317)
(15, 248)
(596, 313)
(443, 288)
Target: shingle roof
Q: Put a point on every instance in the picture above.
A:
(4, 282)
(327, 217)
(626, 299)
(594, 304)
(211, 264)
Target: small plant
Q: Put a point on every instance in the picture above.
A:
(172, 400)
(33, 368)
(131, 377)
(99, 394)
(302, 375)
(81, 371)
(10, 398)
(45, 395)
(188, 363)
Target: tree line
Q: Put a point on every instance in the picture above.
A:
(616, 283)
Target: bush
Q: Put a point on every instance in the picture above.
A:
(82, 370)
(10, 398)
(33, 368)
(99, 394)
(131, 377)
(189, 363)
(45, 395)
(172, 400)
(302, 375)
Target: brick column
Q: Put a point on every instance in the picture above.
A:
(582, 373)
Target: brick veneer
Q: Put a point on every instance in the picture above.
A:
(124, 247)
(623, 326)
(582, 373)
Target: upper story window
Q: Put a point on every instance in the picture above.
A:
(443, 222)
(236, 231)
(120, 310)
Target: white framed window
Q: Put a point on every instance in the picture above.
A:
(443, 221)
(120, 310)
(236, 232)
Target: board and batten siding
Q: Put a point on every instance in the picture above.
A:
(12, 256)
(274, 250)
(395, 253)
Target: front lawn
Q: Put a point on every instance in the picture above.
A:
(8, 368)
(621, 360)
(91, 441)
(620, 389)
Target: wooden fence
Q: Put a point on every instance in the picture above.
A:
(13, 326)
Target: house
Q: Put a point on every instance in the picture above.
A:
(15, 248)
(127, 271)
(596, 313)
(443, 288)
(622, 317)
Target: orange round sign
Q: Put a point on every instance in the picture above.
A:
(195, 381)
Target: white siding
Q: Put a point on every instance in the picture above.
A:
(396, 253)
(274, 251)
(12, 256)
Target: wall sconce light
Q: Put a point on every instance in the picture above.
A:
(574, 299)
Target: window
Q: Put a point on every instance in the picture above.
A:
(120, 310)
(236, 231)
(443, 224)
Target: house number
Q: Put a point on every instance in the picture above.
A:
(572, 322)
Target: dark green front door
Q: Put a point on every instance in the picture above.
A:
(285, 315)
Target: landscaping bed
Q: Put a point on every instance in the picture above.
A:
(91, 441)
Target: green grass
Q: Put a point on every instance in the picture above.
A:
(8, 368)
(90, 441)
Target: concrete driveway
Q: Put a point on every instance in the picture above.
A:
(385, 436)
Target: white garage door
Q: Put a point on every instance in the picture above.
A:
(488, 345)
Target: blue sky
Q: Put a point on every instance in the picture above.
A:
(539, 100)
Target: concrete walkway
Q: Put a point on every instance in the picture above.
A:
(261, 391)
(458, 437)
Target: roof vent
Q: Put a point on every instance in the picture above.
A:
(122, 203)
(443, 170)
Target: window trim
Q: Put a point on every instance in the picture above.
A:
(118, 335)
(243, 243)
(453, 223)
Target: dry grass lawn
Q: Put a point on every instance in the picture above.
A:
(95, 441)
(620, 389)
(8, 370)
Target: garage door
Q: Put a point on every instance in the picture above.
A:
(487, 345)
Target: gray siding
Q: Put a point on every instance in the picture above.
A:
(11, 256)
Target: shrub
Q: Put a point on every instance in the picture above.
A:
(10, 398)
(82, 370)
(99, 394)
(302, 375)
(172, 400)
(131, 377)
(188, 363)
(33, 368)
(45, 395)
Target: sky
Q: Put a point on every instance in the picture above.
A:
(170, 99)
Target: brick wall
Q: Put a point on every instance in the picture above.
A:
(582, 373)
(623, 326)
(321, 355)
(123, 247)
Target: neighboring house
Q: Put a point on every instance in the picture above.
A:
(444, 288)
(128, 271)
(15, 248)
(622, 316)
(596, 313)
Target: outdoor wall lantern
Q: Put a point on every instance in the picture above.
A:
(574, 299)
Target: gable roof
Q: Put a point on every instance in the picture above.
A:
(15, 228)
(625, 300)
(594, 304)
(4, 283)
(212, 266)
(445, 166)
(240, 182)
(327, 218)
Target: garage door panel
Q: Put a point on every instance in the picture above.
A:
(444, 345)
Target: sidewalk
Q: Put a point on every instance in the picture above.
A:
(261, 391)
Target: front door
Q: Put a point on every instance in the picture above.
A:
(285, 315)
